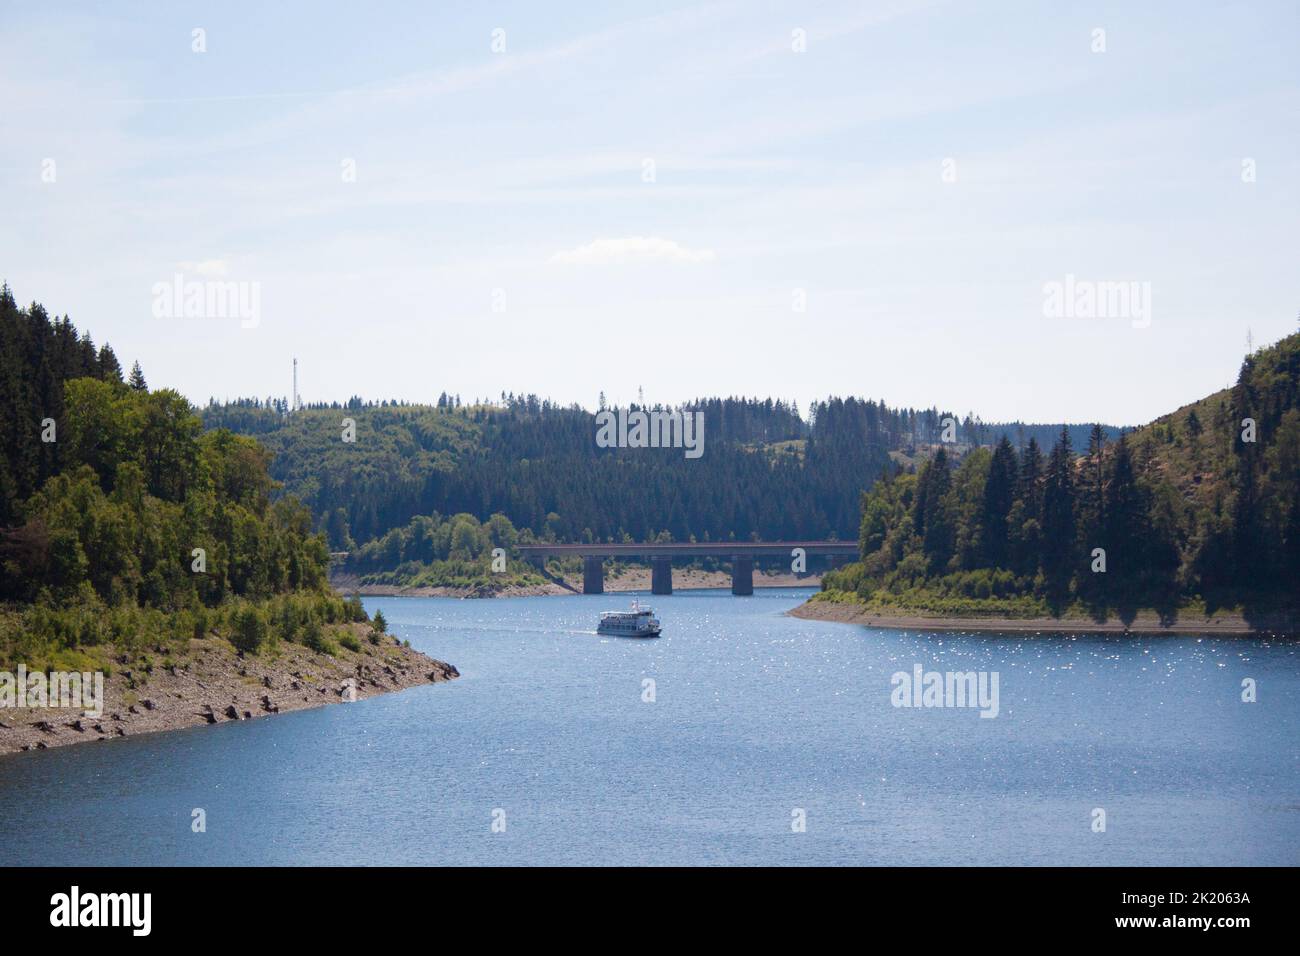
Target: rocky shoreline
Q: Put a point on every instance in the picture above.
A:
(214, 684)
(1146, 623)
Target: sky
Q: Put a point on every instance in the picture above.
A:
(777, 199)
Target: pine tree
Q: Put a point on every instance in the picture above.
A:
(1024, 522)
(137, 381)
(1124, 536)
(937, 526)
(110, 370)
(1162, 551)
(1031, 471)
(1090, 517)
(1059, 551)
(1096, 445)
(1251, 554)
(999, 495)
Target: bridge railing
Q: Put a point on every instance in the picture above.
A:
(691, 549)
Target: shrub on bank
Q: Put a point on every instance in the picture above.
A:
(249, 631)
(51, 629)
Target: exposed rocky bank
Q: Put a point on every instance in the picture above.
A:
(1146, 623)
(213, 683)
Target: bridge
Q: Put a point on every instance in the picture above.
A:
(741, 554)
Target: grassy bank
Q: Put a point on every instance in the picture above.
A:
(87, 634)
(191, 667)
(919, 610)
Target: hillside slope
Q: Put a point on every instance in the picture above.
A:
(134, 546)
(1196, 512)
(535, 466)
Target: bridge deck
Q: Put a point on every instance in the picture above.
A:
(699, 549)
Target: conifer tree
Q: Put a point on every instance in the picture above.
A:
(1090, 517)
(1024, 523)
(1031, 472)
(999, 495)
(1059, 553)
(1124, 536)
(110, 370)
(1096, 446)
(937, 524)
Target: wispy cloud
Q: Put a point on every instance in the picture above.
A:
(206, 267)
(518, 177)
(602, 252)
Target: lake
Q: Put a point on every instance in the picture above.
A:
(741, 736)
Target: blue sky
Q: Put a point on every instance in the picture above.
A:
(500, 233)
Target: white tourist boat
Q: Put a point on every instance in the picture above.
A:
(638, 622)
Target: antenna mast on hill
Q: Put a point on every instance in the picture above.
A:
(294, 403)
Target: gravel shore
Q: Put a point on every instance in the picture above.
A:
(1146, 623)
(212, 683)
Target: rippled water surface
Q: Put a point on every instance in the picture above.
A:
(755, 716)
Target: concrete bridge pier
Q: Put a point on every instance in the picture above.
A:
(742, 575)
(661, 575)
(593, 574)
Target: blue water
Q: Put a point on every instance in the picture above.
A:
(756, 715)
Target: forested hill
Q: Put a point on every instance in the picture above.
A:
(140, 547)
(1233, 460)
(107, 487)
(765, 472)
(126, 529)
(1200, 508)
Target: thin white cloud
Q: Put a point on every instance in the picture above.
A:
(206, 267)
(603, 252)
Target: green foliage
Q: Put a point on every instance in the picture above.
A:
(37, 355)
(1059, 558)
(765, 472)
(134, 524)
(249, 631)
(1182, 510)
(313, 637)
(131, 488)
(995, 509)
(49, 631)
(432, 551)
(943, 598)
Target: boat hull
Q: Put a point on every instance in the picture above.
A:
(620, 632)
